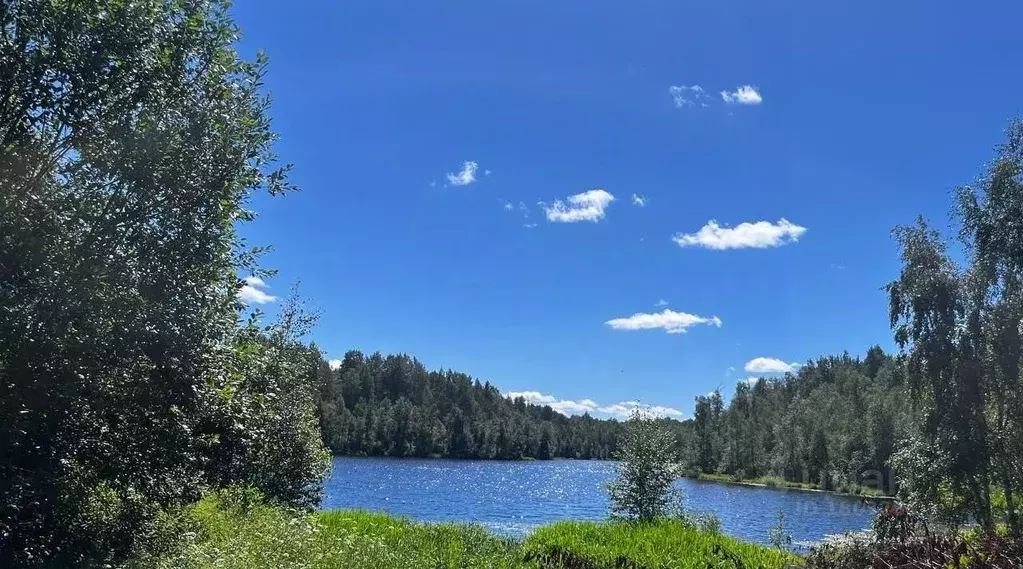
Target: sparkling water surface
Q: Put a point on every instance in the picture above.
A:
(512, 498)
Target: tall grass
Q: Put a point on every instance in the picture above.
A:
(662, 544)
(361, 539)
(236, 530)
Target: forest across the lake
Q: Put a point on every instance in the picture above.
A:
(833, 424)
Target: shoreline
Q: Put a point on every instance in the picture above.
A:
(794, 486)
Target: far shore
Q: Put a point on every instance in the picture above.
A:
(780, 484)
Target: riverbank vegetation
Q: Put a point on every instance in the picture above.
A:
(236, 530)
(778, 482)
(832, 425)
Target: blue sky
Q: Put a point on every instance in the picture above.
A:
(842, 119)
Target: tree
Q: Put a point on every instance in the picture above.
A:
(990, 214)
(960, 328)
(705, 427)
(647, 469)
(131, 138)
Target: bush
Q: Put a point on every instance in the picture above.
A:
(647, 469)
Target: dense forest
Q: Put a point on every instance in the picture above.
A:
(376, 405)
(833, 423)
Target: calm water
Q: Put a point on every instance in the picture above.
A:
(514, 497)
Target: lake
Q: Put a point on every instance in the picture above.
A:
(512, 498)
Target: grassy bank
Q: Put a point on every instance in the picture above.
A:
(226, 532)
(779, 482)
(667, 543)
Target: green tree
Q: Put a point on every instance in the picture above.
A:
(960, 327)
(131, 138)
(648, 466)
(990, 214)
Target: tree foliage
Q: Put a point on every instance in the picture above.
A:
(393, 406)
(960, 326)
(833, 423)
(131, 137)
(647, 467)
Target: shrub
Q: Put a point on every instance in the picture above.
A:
(648, 467)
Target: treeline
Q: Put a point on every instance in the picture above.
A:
(834, 423)
(393, 406)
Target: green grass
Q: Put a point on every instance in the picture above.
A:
(235, 530)
(665, 544)
(225, 531)
(361, 539)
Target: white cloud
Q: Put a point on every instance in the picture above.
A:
(621, 410)
(466, 176)
(252, 293)
(509, 206)
(587, 206)
(563, 406)
(769, 365)
(753, 380)
(529, 225)
(759, 235)
(688, 96)
(729, 371)
(745, 95)
(486, 172)
(671, 321)
(661, 303)
(625, 409)
(334, 364)
(638, 200)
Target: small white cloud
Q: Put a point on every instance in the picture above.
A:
(334, 364)
(508, 206)
(669, 320)
(486, 172)
(252, 293)
(587, 206)
(622, 410)
(688, 96)
(729, 371)
(661, 303)
(745, 95)
(529, 225)
(753, 380)
(769, 365)
(837, 267)
(639, 201)
(433, 183)
(466, 176)
(759, 235)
